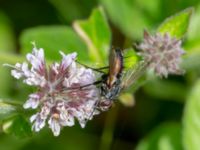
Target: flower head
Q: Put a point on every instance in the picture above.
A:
(163, 53)
(62, 95)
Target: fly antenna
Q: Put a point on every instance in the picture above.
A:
(83, 86)
(95, 69)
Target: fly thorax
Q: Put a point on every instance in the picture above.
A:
(111, 92)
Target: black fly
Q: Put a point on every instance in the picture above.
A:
(111, 82)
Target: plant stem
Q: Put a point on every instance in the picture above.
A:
(107, 135)
(11, 102)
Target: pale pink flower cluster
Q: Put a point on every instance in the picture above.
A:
(59, 98)
(163, 53)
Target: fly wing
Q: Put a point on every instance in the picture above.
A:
(115, 66)
(133, 74)
(112, 57)
(115, 61)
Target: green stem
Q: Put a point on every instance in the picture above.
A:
(12, 102)
(107, 136)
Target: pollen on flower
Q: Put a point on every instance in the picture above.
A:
(163, 53)
(59, 98)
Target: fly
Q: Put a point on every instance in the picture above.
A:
(110, 86)
(116, 80)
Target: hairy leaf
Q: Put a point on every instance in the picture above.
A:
(177, 24)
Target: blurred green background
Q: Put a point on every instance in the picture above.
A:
(166, 113)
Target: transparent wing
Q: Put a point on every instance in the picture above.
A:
(133, 74)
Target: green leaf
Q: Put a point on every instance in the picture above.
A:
(191, 60)
(127, 16)
(165, 137)
(96, 34)
(177, 24)
(6, 110)
(9, 58)
(166, 89)
(17, 126)
(7, 45)
(53, 39)
(193, 36)
(191, 119)
(6, 34)
(194, 31)
(130, 58)
(151, 8)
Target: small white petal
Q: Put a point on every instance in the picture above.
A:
(18, 65)
(82, 123)
(42, 124)
(16, 74)
(33, 117)
(55, 67)
(32, 102)
(67, 59)
(38, 122)
(66, 83)
(40, 54)
(55, 127)
(68, 120)
(36, 58)
(25, 69)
